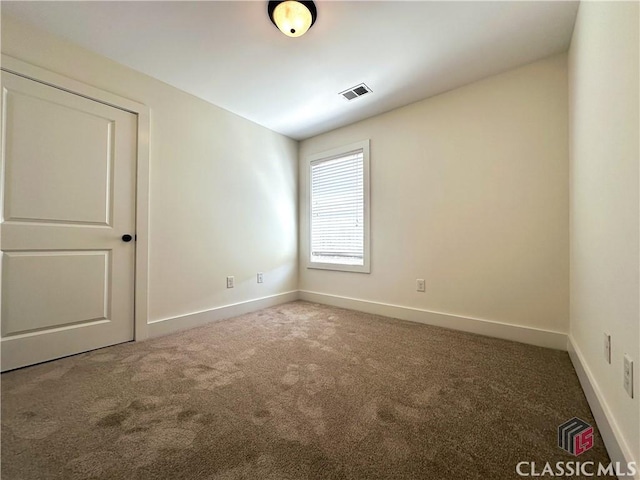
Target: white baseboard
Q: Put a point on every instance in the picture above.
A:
(529, 335)
(617, 448)
(183, 322)
(532, 336)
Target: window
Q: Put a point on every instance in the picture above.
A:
(339, 209)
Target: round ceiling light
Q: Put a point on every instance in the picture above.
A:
(292, 18)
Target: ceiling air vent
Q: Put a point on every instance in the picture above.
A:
(355, 92)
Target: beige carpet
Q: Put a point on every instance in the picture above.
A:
(298, 391)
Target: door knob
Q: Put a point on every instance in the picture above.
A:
(127, 238)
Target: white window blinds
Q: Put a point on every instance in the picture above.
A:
(337, 209)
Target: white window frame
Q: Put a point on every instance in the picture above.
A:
(337, 152)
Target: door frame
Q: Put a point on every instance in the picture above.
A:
(141, 269)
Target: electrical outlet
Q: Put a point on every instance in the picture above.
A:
(628, 375)
(607, 347)
(230, 282)
(260, 278)
(420, 285)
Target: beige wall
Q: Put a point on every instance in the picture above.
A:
(223, 190)
(469, 190)
(604, 100)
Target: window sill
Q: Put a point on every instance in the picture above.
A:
(339, 268)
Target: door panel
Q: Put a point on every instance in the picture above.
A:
(68, 197)
(39, 186)
(73, 288)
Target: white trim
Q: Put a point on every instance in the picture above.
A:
(490, 328)
(166, 326)
(38, 74)
(615, 443)
(363, 145)
(142, 228)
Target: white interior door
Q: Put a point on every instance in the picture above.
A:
(68, 199)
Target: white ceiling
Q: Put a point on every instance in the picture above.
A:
(230, 54)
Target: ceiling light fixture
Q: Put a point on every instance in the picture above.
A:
(292, 18)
